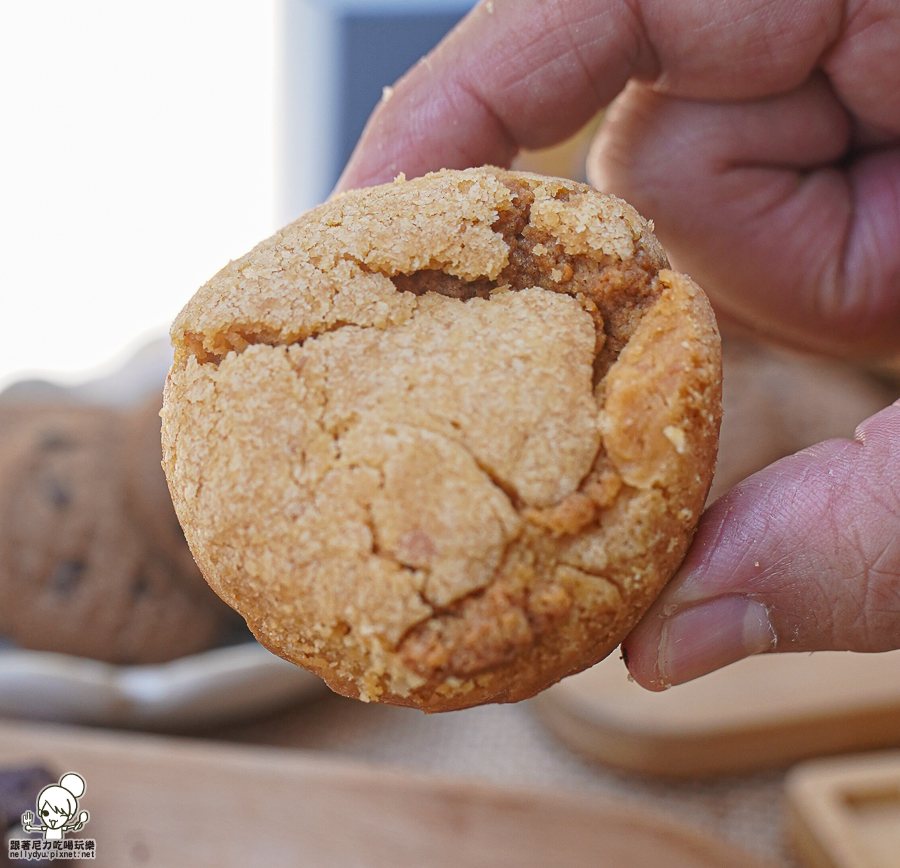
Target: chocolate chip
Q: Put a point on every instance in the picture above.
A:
(54, 439)
(58, 493)
(141, 587)
(434, 280)
(65, 576)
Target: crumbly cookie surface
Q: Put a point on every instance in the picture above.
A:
(442, 441)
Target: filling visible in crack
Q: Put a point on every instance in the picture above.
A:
(435, 280)
(489, 627)
(616, 294)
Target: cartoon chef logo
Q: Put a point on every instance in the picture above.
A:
(57, 807)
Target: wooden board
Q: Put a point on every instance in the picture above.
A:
(845, 813)
(761, 712)
(162, 801)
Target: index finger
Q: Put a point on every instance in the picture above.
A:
(529, 73)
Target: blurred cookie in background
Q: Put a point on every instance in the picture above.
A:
(92, 561)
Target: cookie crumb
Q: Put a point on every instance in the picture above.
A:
(676, 437)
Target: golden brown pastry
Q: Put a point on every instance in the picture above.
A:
(443, 441)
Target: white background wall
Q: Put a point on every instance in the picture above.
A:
(136, 158)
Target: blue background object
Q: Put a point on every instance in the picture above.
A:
(338, 58)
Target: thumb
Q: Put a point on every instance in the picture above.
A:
(802, 556)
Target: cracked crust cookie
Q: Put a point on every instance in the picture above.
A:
(443, 441)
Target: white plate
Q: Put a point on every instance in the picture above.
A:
(217, 686)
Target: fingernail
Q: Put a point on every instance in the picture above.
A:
(710, 635)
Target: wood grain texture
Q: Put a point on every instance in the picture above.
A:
(160, 801)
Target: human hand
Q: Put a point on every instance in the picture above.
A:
(762, 139)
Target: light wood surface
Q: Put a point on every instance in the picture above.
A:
(162, 801)
(845, 813)
(766, 711)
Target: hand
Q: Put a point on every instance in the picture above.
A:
(761, 136)
(762, 140)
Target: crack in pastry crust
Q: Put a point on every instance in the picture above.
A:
(424, 439)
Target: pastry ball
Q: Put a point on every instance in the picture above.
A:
(443, 441)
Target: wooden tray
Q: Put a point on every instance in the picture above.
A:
(761, 712)
(845, 813)
(156, 800)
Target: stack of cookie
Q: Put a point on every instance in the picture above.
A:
(92, 560)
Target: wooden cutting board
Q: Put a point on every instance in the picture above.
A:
(181, 803)
(761, 712)
(845, 813)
